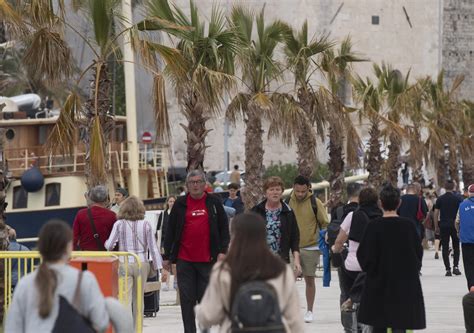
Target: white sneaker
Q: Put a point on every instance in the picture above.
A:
(308, 317)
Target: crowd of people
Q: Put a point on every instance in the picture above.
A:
(238, 271)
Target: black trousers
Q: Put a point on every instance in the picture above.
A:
(446, 233)
(468, 260)
(193, 278)
(468, 307)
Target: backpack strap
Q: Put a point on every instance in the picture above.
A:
(314, 206)
(100, 246)
(339, 213)
(76, 300)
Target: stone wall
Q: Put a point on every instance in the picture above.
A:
(458, 43)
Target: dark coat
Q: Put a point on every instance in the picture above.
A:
(390, 253)
(218, 222)
(290, 234)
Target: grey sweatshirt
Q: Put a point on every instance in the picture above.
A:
(23, 315)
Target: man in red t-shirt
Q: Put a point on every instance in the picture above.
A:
(102, 218)
(196, 237)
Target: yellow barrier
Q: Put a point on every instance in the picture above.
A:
(28, 260)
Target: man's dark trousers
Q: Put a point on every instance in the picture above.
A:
(193, 278)
(446, 233)
(468, 260)
(468, 307)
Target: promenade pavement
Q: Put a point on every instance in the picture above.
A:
(443, 296)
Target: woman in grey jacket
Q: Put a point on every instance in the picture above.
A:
(36, 299)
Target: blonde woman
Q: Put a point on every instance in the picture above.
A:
(134, 234)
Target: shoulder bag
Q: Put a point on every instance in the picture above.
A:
(100, 246)
(152, 273)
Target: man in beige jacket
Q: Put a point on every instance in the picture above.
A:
(311, 217)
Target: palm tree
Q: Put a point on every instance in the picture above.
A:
(208, 54)
(371, 98)
(338, 71)
(396, 89)
(467, 140)
(40, 25)
(442, 125)
(300, 59)
(259, 68)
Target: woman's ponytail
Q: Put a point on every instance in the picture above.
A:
(46, 282)
(54, 238)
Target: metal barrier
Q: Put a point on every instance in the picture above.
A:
(27, 261)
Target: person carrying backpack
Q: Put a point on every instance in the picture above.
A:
(249, 292)
(311, 218)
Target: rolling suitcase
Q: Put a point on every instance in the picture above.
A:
(152, 300)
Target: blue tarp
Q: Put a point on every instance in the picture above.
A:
(323, 247)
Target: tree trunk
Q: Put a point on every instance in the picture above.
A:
(306, 150)
(416, 156)
(393, 160)
(306, 141)
(253, 191)
(374, 156)
(453, 165)
(98, 104)
(336, 166)
(196, 132)
(3, 229)
(468, 167)
(440, 165)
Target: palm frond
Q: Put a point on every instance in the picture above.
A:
(48, 57)
(238, 107)
(97, 153)
(63, 137)
(163, 129)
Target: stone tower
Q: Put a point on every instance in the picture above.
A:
(458, 44)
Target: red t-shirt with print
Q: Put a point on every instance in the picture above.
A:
(195, 238)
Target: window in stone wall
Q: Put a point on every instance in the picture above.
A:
(375, 19)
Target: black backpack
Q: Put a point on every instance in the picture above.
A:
(334, 226)
(69, 319)
(255, 308)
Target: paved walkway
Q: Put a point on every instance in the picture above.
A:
(442, 300)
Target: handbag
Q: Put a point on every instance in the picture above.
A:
(152, 273)
(100, 246)
(69, 318)
(419, 213)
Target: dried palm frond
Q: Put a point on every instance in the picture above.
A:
(48, 57)
(63, 137)
(160, 108)
(238, 107)
(97, 154)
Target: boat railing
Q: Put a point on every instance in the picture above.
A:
(21, 159)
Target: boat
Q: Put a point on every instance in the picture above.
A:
(42, 186)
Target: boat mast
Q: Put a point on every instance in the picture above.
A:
(130, 98)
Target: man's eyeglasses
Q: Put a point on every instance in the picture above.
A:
(195, 182)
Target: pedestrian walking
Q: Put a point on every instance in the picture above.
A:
(134, 234)
(197, 236)
(311, 217)
(41, 297)
(353, 230)
(446, 209)
(92, 225)
(163, 225)
(234, 201)
(468, 309)
(465, 229)
(235, 175)
(24, 266)
(414, 208)
(282, 229)
(120, 195)
(390, 253)
(248, 263)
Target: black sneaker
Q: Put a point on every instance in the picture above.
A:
(436, 255)
(456, 271)
(448, 273)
